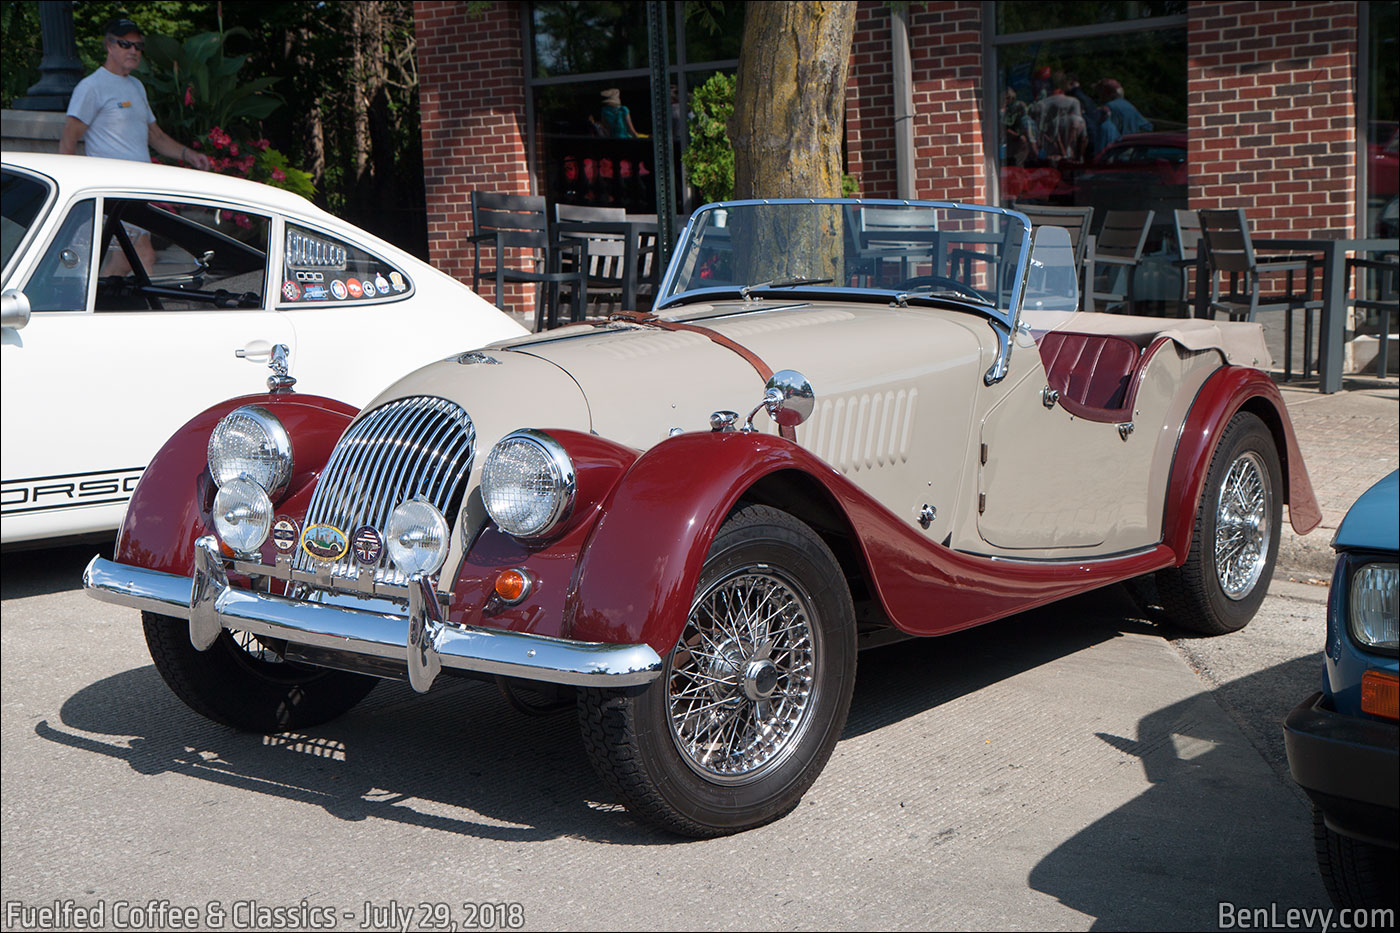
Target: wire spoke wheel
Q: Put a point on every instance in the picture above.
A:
(754, 692)
(1242, 526)
(741, 683)
(1235, 535)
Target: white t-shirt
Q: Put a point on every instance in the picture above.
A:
(116, 113)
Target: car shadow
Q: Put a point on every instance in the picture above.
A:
(1208, 839)
(459, 760)
(42, 571)
(898, 681)
(463, 760)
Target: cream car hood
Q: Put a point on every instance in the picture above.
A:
(635, 384)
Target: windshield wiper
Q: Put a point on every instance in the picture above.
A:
(942, 291)
(779, 283)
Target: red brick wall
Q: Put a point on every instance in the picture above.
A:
(472, 101)
(870, 104)
(945, 41)
(1272, 113)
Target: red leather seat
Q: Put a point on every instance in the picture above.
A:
(1090, 371)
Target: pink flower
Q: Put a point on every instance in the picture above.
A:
(278, 174)
(261, 145)
(219, 138)
(242, 221)
(189, 96)
(233, 149)
(248, 164)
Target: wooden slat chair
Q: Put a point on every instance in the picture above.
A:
(1230, 253)
(606, 251)
(649, 268)
(882, 235)
(1188, 257)
(519, 222)
(1119, 247)
(1382, 297)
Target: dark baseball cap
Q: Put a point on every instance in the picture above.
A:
(122, 27)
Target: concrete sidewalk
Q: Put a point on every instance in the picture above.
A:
(1349, 440)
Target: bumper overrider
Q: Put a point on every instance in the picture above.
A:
(420, 639)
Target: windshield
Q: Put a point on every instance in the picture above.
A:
(22, 198)
(886, 250)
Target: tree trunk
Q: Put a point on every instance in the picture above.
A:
(787, 127)
(790, 100)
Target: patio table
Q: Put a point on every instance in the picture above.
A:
(1333, 251)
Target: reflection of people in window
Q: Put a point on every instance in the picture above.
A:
(617, 119)
(1123, 114)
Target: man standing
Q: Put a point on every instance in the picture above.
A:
(109, 111)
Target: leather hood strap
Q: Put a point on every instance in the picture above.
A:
(765, 372)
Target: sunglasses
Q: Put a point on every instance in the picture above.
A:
(123, 43)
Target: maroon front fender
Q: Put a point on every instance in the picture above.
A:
(1229, 390)
(641, 565)
(170, 508)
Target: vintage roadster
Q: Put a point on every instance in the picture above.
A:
(640, 512)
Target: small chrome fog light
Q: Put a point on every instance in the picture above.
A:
(242, 515)
(417, 537)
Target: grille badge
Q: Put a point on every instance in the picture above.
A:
(368, 545)
(324, 544)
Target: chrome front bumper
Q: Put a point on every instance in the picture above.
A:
(420, 639)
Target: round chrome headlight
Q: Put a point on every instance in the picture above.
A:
(528, 483)
(417, 537)
(242, 515)
(250, 442)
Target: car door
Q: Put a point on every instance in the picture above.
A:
(116, 356)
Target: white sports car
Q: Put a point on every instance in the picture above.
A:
(137, 295)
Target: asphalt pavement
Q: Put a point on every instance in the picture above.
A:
(1078, 767)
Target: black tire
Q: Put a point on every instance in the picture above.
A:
(1228, 569)
(659, 748)
(239, 683)
(1356, 874)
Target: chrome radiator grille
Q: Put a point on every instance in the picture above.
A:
(417, 446)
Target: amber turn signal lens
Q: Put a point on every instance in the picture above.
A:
(1380, 694)
(513, 585)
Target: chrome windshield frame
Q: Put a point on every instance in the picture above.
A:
(1005, 316)
(1004, 321)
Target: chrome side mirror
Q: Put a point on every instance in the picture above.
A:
(788, 399)
(14, 308)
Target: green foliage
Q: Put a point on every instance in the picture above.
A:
(194, 87)
(196, 94)
(19, 48)
(710, 158)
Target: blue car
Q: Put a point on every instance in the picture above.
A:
(1342, 742)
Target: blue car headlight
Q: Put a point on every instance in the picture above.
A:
(1373, 599)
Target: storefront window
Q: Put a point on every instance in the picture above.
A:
(581, 37)
(1383, 117)
(591, 122)
(1096, 118)
(1033, 17)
